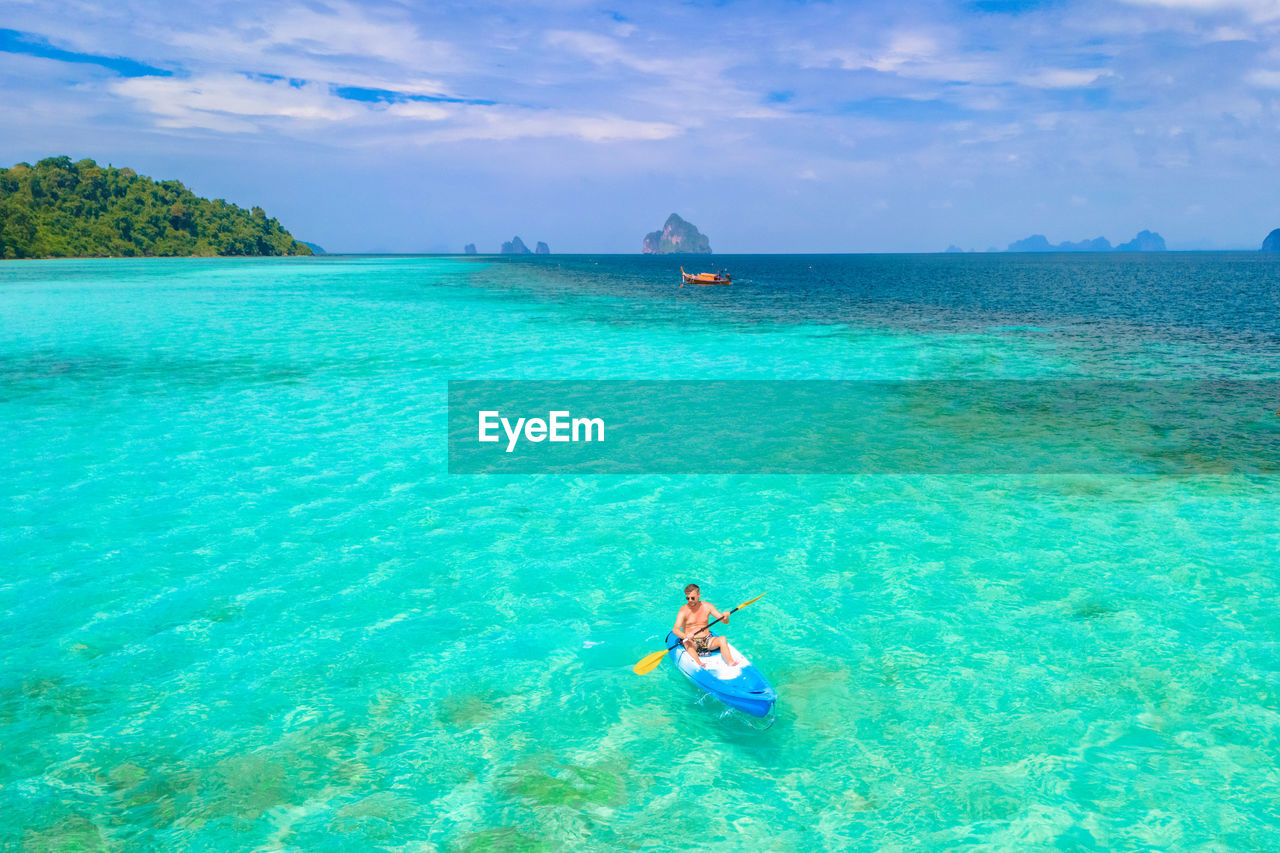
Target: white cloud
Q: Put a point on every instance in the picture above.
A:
(345, 29)
(422, 111)
(497, 124)
(1231, 34)
(661, 84)
(905, 48)
(971, 133)
(339, 38)
(1257, 10)
(913, 54)
(1265, 78)
(229, 102)
(604, 51)
(1065, 78)
(238, 104)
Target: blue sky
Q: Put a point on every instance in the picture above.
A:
(773, 126)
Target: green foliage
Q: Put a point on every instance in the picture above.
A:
(60, 209)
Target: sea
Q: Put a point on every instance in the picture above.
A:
(246, 605)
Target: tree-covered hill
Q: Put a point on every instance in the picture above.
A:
(58, 209)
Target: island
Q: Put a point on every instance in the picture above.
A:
(61, 209)
(1039, 243)
(1272, 242)
(1145, 241)
(542, 249)
(515, 246)
(469, 249)
(677, 237)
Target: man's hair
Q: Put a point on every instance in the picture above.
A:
(691, 587)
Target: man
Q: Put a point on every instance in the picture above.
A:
(691, 626)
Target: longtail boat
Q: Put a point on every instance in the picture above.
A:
(721, 277)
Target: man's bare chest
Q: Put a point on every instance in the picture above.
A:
(698, 615)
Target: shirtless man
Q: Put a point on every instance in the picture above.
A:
(691, 626)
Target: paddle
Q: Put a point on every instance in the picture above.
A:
(650, 662)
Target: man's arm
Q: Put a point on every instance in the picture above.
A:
(679, 626)
(723, 617)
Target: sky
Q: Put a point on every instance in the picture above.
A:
(773, 126)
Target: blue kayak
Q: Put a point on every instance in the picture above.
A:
(741, 686)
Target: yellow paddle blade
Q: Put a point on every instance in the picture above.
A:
(649, 662)
(752, 601)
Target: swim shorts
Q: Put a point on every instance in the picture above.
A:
(701, 642)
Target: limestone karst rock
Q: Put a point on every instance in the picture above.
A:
(676, 237)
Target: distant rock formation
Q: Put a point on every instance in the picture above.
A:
(315, 250)
(953, 249)
(469, 249)
(1097, 244)
(542, 249)
(1146, 241)
(676, 237)
(1039, 243)
(1272, 243)
(1034, 243)
(515, 247)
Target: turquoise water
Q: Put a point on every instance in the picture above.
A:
(245, 606)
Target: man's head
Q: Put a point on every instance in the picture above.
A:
(692, 593)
